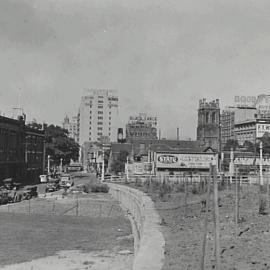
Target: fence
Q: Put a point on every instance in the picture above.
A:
(58, 205)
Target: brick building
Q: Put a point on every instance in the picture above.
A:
(21, 151)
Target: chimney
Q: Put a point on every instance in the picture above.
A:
(177, 134)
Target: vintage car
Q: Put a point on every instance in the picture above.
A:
(66, 181)
(53, 185)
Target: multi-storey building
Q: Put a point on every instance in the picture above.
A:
(21, 151)
(98, 116)
(72, 127)
(227, 126)
(141, 127)
(250, 130)
(208, 130)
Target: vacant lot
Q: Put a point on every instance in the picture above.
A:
(244, 247)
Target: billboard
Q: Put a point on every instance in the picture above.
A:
(245, 101)
(261, 129)
(190, 161)
(263, 104)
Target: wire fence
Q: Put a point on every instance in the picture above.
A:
(72, 205)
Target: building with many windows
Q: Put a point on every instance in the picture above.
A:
(71, 125)
(98, 116)
(250, 130)
(21, 151)
(141, 127)
(227, 126)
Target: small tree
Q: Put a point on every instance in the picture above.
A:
(231, 144)
(118, 164)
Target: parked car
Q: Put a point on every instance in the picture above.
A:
(53, 185)
(3, 195)
(66, 181)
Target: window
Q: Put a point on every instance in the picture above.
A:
(99, 128)
(100, 123)
(100, 112)
(110, 112)
(99, 133)
(100, 117)
(100, 101)
(100, 107)
(110, 118)
(109, 123)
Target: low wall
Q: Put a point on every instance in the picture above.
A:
(149, 250)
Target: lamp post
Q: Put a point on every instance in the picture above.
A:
(48, 164)
(127, 172)
(61, 165)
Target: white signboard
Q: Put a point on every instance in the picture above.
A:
(261, 129)
(250, 161)
(193, 161)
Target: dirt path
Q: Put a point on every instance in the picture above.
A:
(76, 260)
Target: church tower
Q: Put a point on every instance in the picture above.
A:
(208, 129)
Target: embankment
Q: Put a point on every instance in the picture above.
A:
(148, 239)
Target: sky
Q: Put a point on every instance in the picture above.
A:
(161, 56)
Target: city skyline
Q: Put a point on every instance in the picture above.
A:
(154, 53)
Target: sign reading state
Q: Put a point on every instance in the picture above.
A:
(193, 161)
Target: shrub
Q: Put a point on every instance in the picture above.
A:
(96, 187)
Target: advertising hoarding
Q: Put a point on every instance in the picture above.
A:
(261, 129)
(245, 101)
(190, 161)
(263, 104)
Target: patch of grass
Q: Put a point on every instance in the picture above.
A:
(25, 238)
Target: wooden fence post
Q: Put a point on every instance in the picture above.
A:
(205, 222)
(236, 200)
(185, 183)
(77, 205)
(29, 207)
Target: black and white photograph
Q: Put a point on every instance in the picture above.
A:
(134, 134)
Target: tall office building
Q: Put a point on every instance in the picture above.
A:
(98, 116)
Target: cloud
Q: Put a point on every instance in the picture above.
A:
(162, 56)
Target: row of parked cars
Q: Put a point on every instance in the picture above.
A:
(11, 192)
(58, 181)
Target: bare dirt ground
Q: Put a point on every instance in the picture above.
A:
(245, 247)
(40, 234)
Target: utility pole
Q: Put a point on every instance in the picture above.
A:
(103, 165)
(231, 165)
(216, 218)
(261, 164)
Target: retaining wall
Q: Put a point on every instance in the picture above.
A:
(149, 241)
